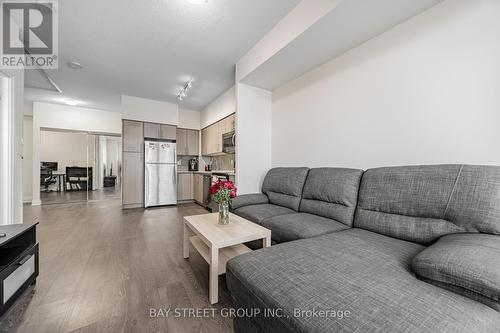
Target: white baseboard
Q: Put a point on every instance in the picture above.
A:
(36, 202)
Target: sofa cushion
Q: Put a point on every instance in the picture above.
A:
(355, 270)
(249, 199)
(284, 186)
(467, 261)
(285, 228)
(331, 193)
(423, 203)
(258, 213)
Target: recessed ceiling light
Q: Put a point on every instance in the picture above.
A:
(75, 65)
(70, 102)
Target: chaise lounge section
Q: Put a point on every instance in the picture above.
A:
(422, 254)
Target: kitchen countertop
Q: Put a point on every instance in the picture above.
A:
(229, 172)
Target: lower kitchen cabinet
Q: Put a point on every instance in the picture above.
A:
(198, 187)
(133, 180)
(185, 186)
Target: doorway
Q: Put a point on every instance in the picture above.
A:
(79, 166)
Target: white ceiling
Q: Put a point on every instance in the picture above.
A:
(348, 25)
(150, 48)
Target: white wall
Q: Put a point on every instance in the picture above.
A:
(28, 158)
(424, 92)
(253, 137)
(69, 149)
(28, 109)
(253, 105)
(221, 107)
(135, 108)
(189, 119)
(56, 116)
(76, 118)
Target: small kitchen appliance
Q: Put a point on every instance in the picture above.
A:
(193, 164)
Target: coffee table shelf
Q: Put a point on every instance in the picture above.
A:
(225, 253)
(217, 244)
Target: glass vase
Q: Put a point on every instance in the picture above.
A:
(223, 213)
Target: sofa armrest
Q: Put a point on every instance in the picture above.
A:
(249, 199)
(468, 262)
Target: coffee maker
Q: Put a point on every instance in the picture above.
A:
(193, 164)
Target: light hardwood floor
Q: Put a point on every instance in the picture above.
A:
(102, 269)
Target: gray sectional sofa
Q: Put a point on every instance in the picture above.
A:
(395, 249)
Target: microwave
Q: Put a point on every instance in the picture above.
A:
(228, 142)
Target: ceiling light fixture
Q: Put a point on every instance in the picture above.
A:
(70, 102)
(183, 92)
(75, 65)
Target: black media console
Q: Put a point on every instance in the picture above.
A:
(18, 261)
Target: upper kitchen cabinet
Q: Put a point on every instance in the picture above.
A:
(181, 141)
(188, 142)
(168, 132)
(151, 130)
(133, 137)
(228, 124)
(193, 142)
(160, 131)
(211, 136)
(211, 144)
(204, 141)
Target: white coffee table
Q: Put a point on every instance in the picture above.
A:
(219, 243)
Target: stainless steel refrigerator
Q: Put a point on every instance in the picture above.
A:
(160, 173)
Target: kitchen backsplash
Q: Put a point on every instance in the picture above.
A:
(223, 162)
(184, 162)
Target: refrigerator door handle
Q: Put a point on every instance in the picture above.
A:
(146, 186)
(175, 175)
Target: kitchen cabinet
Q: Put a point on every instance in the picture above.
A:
(185, 186)
(132, 164)
(217, 137)
(133, 137)
(160, 131)
(204, 141)
(211, 136)
(198, 187)
(168, 132)
(193, 142)
(188, 142)
(151, 131)
(181, 141)
(228, 124)
(214, 139)
(133, 180)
